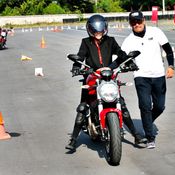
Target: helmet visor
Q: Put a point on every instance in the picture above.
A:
(98, 27)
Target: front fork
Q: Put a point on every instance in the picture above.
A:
(102, 113)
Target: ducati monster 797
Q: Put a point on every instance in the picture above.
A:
(104, 120)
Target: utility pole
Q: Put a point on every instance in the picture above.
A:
(96, 4)
(163, 5)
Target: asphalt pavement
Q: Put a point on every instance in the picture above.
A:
(39, 111)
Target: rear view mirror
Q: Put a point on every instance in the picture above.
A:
(134, 53)
(74, 57)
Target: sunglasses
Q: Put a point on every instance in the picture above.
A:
(133, 23)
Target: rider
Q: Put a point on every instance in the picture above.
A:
(97, 51)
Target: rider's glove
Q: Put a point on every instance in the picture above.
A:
(90, 71)
(75, 71)
(113, 65)
(132, 66)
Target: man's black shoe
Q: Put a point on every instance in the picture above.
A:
(139, 139)
(71, 145)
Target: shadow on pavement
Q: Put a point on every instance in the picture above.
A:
(99, 146)
(14, 134)
(139, 127)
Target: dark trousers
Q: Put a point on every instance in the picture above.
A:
(151, 98)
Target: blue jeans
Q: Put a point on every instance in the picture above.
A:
(151, 97)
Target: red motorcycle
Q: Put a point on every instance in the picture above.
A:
(104, 121)
(3, 38)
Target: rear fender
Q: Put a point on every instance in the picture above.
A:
(103, 115)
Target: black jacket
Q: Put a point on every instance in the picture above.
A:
(108, 46)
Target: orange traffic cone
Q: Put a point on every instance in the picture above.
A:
(43, 43)
(3, 134)
(56, 29)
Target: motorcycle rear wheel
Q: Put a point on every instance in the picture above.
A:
(113, 144)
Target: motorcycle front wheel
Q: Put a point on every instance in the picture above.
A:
(113, 143)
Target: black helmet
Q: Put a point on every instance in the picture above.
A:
(96, 23)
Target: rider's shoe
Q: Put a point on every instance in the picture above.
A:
(138, 139)
(151, 145)
(71, 145)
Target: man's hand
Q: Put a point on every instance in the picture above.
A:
(75, 71)
(170, 72)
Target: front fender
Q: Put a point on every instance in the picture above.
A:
(103, 115)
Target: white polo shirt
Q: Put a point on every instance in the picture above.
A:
(150, 61)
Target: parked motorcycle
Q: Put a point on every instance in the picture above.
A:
(104, 120)
(3, 38)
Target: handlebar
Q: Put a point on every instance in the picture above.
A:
(122, 67)
(86, 71)
(90, 71)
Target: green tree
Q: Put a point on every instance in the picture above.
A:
(35, 7)
(143, 5)
(5, 3)
(170, 4)
(53, 8)
(109, 6)
(32, 7)
(83, 6)
(11, 12)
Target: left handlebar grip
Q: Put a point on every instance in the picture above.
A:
(86, 71)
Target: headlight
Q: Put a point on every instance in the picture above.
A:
(108, 91)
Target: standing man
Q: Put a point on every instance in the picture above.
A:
(150, 81)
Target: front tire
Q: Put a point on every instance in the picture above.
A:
(113, 143)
